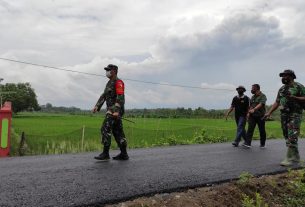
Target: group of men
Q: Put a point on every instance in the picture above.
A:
(290, 99)
(252, 110)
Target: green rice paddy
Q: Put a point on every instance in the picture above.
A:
(64, 133)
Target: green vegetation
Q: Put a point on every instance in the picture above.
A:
(22, 95)
(63, 133)
(244, 178)
(297, 186)
(287, 189)
(249, 202)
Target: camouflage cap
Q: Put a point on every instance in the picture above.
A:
(288, 72)
(111, 67)
(241, 87)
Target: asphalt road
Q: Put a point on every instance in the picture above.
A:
(79, 180)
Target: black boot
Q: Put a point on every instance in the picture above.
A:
(104, 156)
(123, 155)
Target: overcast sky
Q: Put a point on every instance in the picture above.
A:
(211, 44)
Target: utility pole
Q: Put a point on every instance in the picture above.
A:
(1, 79)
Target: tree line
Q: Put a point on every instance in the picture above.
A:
(179, 112)
(22, 96)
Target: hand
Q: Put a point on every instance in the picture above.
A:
(266, 116)
(251, 111)
(115, 114)
(94, 109)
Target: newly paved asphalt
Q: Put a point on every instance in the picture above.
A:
(79, 180)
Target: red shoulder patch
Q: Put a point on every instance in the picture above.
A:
(119, 87)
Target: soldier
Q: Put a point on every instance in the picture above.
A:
(240, 104)
(115, 100)
(289, 98)
(255, 116)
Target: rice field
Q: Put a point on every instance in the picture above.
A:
(64, 133)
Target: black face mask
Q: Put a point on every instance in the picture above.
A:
(240, 93)
(253, 91)
(285, 81)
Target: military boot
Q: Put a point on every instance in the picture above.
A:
(288, 160)
(104, 156)
(295, 157)
(123, 154)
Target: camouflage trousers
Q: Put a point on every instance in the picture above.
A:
(115, 126)
(291, 124)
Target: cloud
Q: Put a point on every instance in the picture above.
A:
(202, 44)
(236, 37)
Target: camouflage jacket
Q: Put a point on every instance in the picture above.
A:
(257, 99)
(290, 106)
(114, 97)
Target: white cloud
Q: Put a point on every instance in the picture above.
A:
(197, 43)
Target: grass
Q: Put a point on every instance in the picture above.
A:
(62, 133)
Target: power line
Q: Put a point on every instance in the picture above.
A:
(128, 79)
(51, 67)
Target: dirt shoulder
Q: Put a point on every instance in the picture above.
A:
(287, 189)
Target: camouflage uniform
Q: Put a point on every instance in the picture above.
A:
(291, 113)
(115, 100)
(257, 118)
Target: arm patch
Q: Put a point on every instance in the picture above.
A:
(119, 87)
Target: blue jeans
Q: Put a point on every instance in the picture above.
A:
(240, 132)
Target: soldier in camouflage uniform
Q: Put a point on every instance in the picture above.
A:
(255, 116)
(115, 100)
(289, 98)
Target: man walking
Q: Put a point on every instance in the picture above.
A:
(240, 104)
(115, 100)
(255, 116)
(290, 98)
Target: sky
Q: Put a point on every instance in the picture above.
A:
(216, 45)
